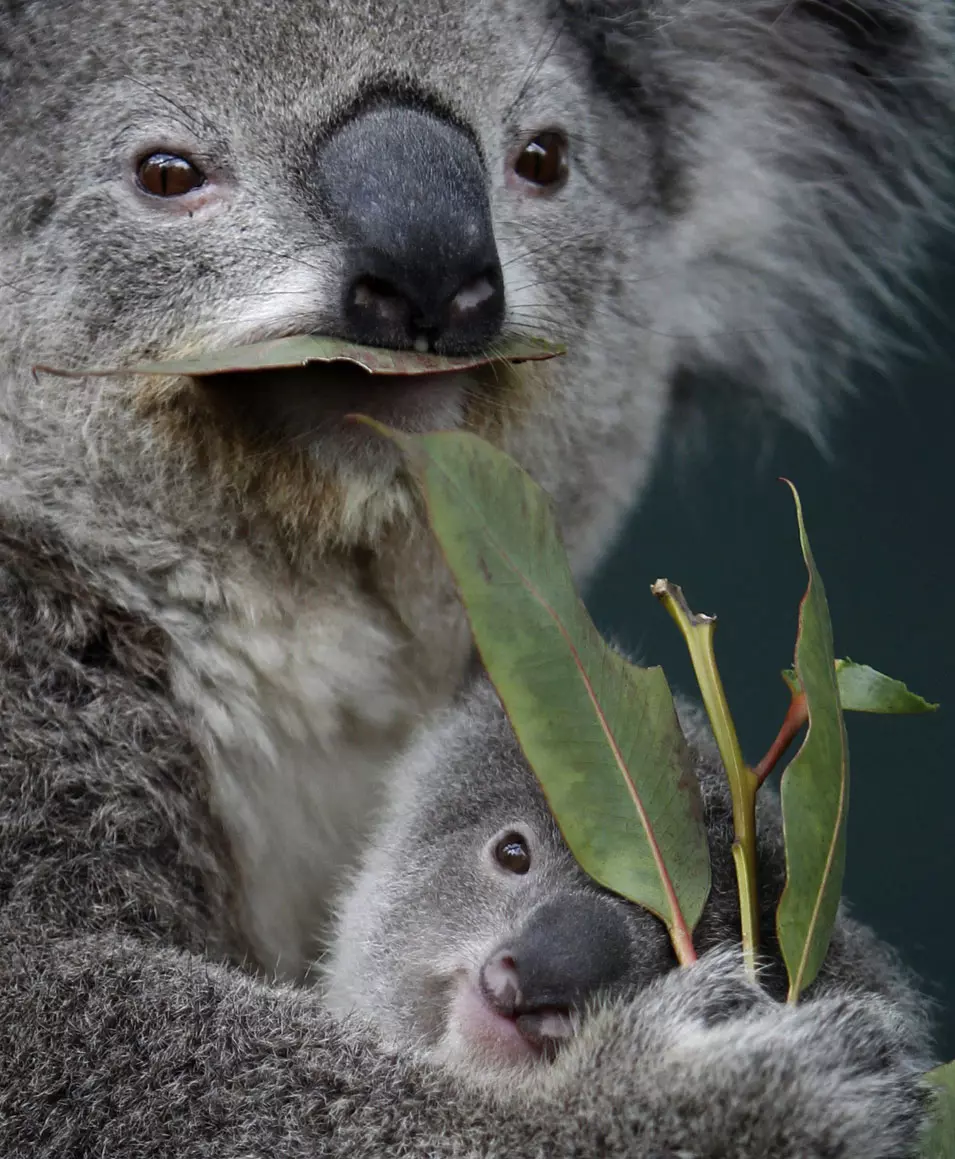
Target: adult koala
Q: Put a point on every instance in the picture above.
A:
(220, 609)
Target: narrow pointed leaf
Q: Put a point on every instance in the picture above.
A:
(863, 689)
(939, 1139)
(815, 794)
(601, 734)
(303, 349)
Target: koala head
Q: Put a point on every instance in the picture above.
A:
(662, 185)
(470, 933)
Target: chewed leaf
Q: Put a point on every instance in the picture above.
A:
(600, 734)
(815, 794)
(303, 349)
(863, 689)
(697, 630)
(939, 1139)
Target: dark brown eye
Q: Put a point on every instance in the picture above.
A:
(543, 161)
(166, 175)
(512, 854)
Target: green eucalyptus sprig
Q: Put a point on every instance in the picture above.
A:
(815, 785)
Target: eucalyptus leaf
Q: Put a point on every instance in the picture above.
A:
(303, 349)
(600, 734)
(815, 793)
(863, 689)
(939, 1139)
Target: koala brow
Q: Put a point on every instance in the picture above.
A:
(395, 89)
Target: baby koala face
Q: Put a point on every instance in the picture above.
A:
(470, 933)
(561, 943)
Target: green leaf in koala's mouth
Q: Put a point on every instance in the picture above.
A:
(303, 349)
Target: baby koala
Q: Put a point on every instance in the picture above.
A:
(470, 935)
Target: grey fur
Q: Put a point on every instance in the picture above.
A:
(214, 634)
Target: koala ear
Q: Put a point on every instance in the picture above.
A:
(611, 31)
(874, 30)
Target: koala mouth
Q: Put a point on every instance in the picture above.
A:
(547, 1029)
(300, 389)
(307, 405)
(519, 1038)
(303, 389)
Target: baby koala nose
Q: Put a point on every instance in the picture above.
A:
(408, 195)
(501, 982)
(569, 949)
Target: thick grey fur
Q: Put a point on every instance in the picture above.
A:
(214, 635)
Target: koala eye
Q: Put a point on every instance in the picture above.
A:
(543, 161)
(512, 854)
(166, 175)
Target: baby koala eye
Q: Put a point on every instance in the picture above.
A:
(543, 161)
(512, 853)
(166, 175)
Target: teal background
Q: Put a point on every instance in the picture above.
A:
(879, 510)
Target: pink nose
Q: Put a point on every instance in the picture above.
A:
(501, 983)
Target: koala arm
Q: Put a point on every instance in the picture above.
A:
(716, 1067)
(116, 1047)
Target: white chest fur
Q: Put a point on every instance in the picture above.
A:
(297, 704)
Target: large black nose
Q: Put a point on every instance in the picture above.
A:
(569, 949)
(408, 194)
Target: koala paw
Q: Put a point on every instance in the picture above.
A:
(705, 1062)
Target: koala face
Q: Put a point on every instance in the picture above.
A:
(471, 934)
(439, 181)
(659, 185)
(244, 191)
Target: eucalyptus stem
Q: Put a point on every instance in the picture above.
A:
(796, 716)
(698, 631)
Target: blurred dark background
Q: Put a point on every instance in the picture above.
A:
(880, 512)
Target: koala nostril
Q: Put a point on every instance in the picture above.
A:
(500, 983)
(400, 311)
(476, 294)
(382, 298)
